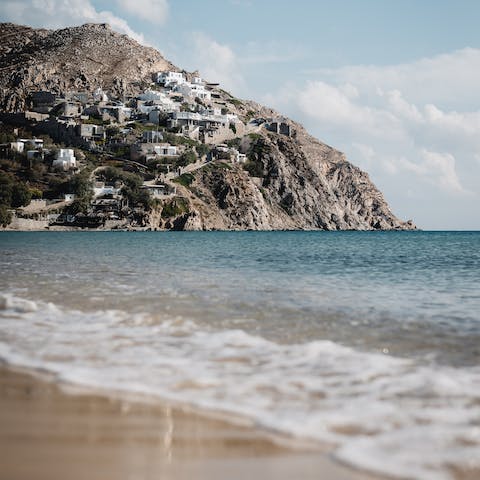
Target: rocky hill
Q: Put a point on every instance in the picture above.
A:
(79, 58)
(291, 181)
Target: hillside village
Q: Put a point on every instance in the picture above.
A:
(98, 131)
(94, 160)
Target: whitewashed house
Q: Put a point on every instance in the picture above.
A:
(65, 159)
(100, 189)
(167, 78)
(165, 149)
(17, 146)
(194, 90)
(151, 96)
(20, 144)
(149, 151)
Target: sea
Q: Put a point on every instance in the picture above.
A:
(368, 342)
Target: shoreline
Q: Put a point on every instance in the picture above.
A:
(52, 431)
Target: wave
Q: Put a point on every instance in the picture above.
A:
(381, 413)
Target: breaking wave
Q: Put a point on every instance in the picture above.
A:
(381, 413)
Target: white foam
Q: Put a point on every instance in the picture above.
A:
(384, 414)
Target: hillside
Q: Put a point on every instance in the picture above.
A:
(289, 181)
(79, 58)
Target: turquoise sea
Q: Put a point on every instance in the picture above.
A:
(366, 341)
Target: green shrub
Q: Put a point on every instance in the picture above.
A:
(36, 193)
(185, 179)
(174, 208)
(235, 101)
(202, 149)
(186, 158)
(222, 165)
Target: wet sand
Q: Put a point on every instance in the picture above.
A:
(48, 432)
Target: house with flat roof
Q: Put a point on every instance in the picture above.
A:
(168, 78)
(65, 159)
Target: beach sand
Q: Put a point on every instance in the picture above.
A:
(51, 432)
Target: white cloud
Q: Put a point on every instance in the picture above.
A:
(62, 13)
(414, 127)
(153, 11)
(217, 63)
(428, 80)
(437, 168)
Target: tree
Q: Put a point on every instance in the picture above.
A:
(5, 216)
(81, 186)
(79, 205)
(202, 149)
(186, 158)
(6, 185)
(13, 194)
(21, 195)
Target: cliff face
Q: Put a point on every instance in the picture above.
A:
(290, 181)
(321, 191)
(78, 58)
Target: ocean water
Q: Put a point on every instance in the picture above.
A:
(366, 341)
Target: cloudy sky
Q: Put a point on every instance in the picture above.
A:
(393, 84)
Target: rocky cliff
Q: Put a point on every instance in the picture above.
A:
(301, 184)
(290, 181)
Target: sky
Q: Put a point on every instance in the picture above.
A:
(393, 84)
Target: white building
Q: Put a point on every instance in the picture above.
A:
(100, 189)
(151, 95)
(194, 90)
(65, 159)
(165, 149)
(17, 146)
(21, 143)
(211, 111)
(32, 142)
(168, 78)
(159, 191)
(238, 157)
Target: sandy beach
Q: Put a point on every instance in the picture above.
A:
(47, 432)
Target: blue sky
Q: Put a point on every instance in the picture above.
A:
(392, 84)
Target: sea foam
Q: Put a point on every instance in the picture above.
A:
(381, 413)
